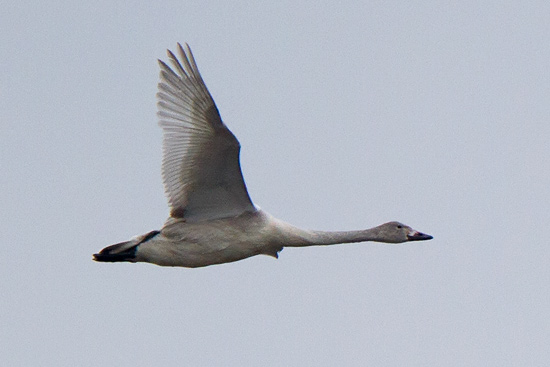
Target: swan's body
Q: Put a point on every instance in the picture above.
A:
(212, 219)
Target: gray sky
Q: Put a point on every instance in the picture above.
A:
(350, 115)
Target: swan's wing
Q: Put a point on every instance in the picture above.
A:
(200, 168)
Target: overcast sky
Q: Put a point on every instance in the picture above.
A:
(350, 114)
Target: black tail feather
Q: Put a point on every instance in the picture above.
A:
(106, 255)
(123, 251)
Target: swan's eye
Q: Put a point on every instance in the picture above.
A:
(399, 227)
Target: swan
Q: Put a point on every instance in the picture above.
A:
(212, 218)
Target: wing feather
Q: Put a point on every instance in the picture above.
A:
(200, 167)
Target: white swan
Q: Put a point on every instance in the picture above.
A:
(212, 218)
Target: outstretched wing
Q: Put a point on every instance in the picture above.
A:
(200, 168)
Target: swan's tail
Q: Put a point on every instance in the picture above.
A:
(123, 251)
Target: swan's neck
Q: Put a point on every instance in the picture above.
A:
(332, 238)
(292, 236)
(297, 237)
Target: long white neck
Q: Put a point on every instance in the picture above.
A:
(332, 238)
(324, 238)
(296, 237)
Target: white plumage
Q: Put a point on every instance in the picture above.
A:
(212, 219)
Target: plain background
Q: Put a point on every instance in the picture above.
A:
(350, 114)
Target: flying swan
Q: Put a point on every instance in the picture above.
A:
(212, 219)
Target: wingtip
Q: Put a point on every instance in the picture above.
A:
(182, 48)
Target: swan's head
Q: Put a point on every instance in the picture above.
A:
(395, 232)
